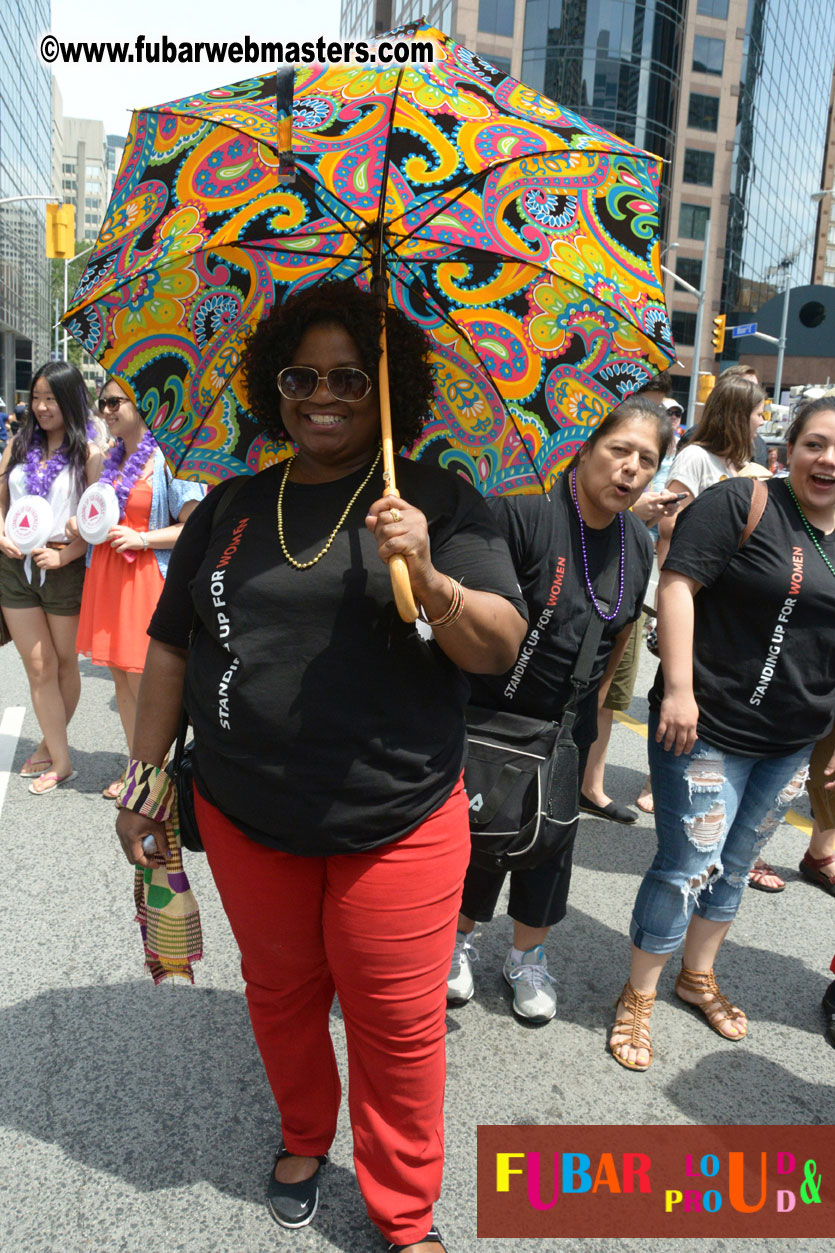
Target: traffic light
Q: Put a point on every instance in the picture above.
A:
(719, 333)
(60, 231)
(707, 382)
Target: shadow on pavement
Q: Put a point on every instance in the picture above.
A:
(161, 1087)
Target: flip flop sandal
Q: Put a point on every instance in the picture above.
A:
(646, 804)
(812, 869)
(763, 871)
(111, 792)
(56, 782)
(33, 768)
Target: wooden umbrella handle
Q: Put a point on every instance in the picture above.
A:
(399, 571)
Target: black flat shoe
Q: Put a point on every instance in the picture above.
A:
(293, 1204)
(828, 1004)
(612, 811)
(433, 1236)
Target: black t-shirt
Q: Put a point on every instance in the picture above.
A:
(543, 535)
(764, 642)
(322, 722)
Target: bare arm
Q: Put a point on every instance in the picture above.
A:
(666, 525)
(157, 718)
(679, 712)
(6, 545)
(486, 638)
(125, 538)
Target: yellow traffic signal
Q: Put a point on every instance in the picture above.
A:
(60, 231)
(707, 382)
(719, 333)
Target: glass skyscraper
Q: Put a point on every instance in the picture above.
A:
(25, 169)
(779, 149)
(616, 62)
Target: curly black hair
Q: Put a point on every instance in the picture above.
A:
(274, 342)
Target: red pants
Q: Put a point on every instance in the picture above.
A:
(378, 928)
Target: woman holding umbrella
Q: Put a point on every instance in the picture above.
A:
(329, 742)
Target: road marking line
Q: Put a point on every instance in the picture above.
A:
(640, 728)
(632, 723)
(10, 725)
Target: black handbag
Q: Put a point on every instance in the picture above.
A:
(180, 769)
(522, 774)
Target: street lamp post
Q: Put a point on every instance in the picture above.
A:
(697, 356)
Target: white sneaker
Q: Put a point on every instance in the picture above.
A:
(459, 985)
(534, 997)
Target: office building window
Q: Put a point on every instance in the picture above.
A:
(708, 54)
(713, 8)
(501, 63)
(698, 167)
(703, 112)
(683, 327)
(495, 17)
(690, 269)
(692, 221)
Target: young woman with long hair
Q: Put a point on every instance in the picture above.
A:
(126, 573)
(51, 456)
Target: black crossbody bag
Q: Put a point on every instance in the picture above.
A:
(181, 768)
(522, 774)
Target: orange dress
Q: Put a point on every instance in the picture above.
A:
(120, 596)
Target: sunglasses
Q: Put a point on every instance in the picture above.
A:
(110, 404)
(345, 382)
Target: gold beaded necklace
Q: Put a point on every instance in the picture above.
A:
(305, 565)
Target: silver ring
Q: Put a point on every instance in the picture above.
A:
(395, 515)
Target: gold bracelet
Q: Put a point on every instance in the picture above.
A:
(456, 607)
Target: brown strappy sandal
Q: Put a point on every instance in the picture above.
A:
(718, 1009)
(633, 1026)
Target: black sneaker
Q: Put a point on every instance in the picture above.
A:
(433, 1236)
(293, 1204)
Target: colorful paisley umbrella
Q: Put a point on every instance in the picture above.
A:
(521, 237)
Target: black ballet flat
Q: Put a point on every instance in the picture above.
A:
(612, 811)
(433, 1236)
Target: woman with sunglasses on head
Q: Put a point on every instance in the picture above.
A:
(127, 571)
(746, 685)
(329, 741)
(52, 457)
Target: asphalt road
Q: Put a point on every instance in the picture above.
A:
(136, 1119)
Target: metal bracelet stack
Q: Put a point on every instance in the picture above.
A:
(455, 610)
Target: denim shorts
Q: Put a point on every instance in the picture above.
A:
(714, 813)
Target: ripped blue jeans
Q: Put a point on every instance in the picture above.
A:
(714, 813)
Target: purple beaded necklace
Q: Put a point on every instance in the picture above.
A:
(39, 481)
(607, 617)
(130, 471)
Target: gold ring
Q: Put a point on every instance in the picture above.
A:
(395, 515)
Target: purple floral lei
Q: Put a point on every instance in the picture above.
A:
(130, 471)
(39, 481)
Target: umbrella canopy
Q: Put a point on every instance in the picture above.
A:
(520, 236)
